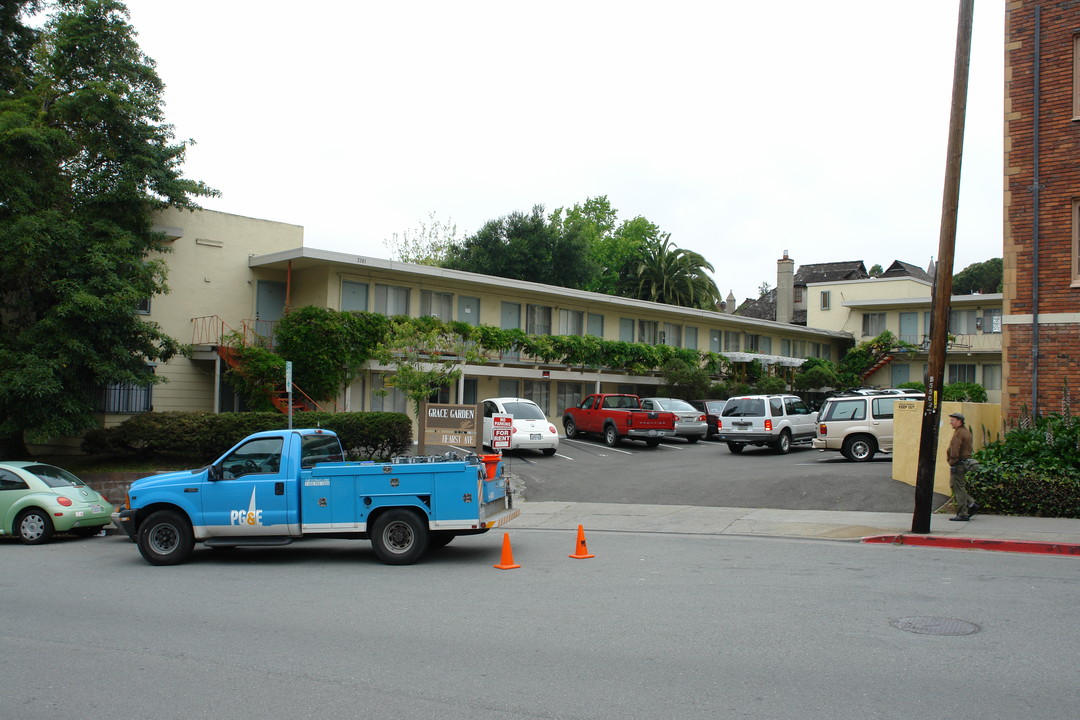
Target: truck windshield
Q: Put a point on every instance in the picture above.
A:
(319, 448)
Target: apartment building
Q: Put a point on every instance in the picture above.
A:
(1041, 319)
(234, 274)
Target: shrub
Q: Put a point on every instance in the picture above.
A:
(963, 392)
(364, 435)
(1033, 470)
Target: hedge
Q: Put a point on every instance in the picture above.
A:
(1034, 470)
(364, 435)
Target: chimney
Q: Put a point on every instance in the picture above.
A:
(785, 289)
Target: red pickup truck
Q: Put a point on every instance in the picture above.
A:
(617, 417)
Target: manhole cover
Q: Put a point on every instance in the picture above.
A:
(935, 626)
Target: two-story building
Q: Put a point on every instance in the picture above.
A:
(231, 273)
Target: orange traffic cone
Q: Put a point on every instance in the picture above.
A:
(582, 549)
(507, 562)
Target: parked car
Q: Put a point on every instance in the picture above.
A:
(530, 430)
(774, 420)
(858, 424)
(37, 500)
(712, 410)
(690, 423)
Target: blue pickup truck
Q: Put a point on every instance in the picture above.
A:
(276, 487)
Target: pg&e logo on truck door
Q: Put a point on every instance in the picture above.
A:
(252, 516)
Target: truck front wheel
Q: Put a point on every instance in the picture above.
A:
(165, 538)
(399, 537)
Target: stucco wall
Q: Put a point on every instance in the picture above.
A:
(984, 420)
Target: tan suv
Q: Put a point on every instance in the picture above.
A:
(859, 425)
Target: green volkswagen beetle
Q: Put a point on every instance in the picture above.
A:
(37, 500)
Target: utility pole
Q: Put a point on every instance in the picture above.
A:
(939, 324)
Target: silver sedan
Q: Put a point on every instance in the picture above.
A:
(690, 423)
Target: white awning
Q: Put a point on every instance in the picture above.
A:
(764, 359)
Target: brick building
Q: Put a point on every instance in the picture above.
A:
(1041, 320)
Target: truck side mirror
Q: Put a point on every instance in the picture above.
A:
(214, 473)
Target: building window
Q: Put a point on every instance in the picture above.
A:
(873, 324)
(1076, 77)
(596, 325)
(354, 296)
(796, 296)
(671, 335)
(391, 300)
(732, 341)
(991, 377)
(569, 395)
(538, 319)
(571, 322)
(759, 343)
(437, 304)
(143, 307)
(386, 398)
(539, 393)
(825, 300)
(1076, 242)
(991, 321)
(961, 374)
(648, 332)
(126, 398)
(962, 322)
(690, 338)
(714, 341)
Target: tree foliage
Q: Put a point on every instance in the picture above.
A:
(85, 158)
(983, 277)
(675, 276)
(523, 247)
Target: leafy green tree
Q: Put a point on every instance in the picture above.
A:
(984, 277)
(876, 270)
(428, 244)
(815, 373)
(683, 379)
(675, 276)
(85, 158)
(425, 357)
(522, 247)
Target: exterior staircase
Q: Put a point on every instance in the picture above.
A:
(212, 330)
(877, 366)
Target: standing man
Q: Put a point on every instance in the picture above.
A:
(957, 455)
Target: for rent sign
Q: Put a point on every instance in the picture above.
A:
(456, 425)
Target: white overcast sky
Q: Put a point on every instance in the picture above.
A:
(742, 128)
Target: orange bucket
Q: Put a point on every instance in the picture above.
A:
(492, 464)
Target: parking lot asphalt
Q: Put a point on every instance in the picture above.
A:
(814, 495)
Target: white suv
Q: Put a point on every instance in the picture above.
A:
(773, 420)
(858, 425)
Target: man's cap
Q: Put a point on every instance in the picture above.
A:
(958, 416)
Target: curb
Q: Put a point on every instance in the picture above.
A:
(964, 543)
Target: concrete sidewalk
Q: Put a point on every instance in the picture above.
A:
(991, 532)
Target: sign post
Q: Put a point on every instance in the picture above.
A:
(288, 387)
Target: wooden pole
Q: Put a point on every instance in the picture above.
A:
(939, 324)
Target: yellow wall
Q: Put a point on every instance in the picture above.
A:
(983, 419)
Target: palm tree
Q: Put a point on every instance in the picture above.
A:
(675, 276)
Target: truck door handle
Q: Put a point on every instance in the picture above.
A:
(279, 488)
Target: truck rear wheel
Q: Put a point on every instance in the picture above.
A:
(859, 448)
(611, 436)
(165, 538)
(399, 537)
